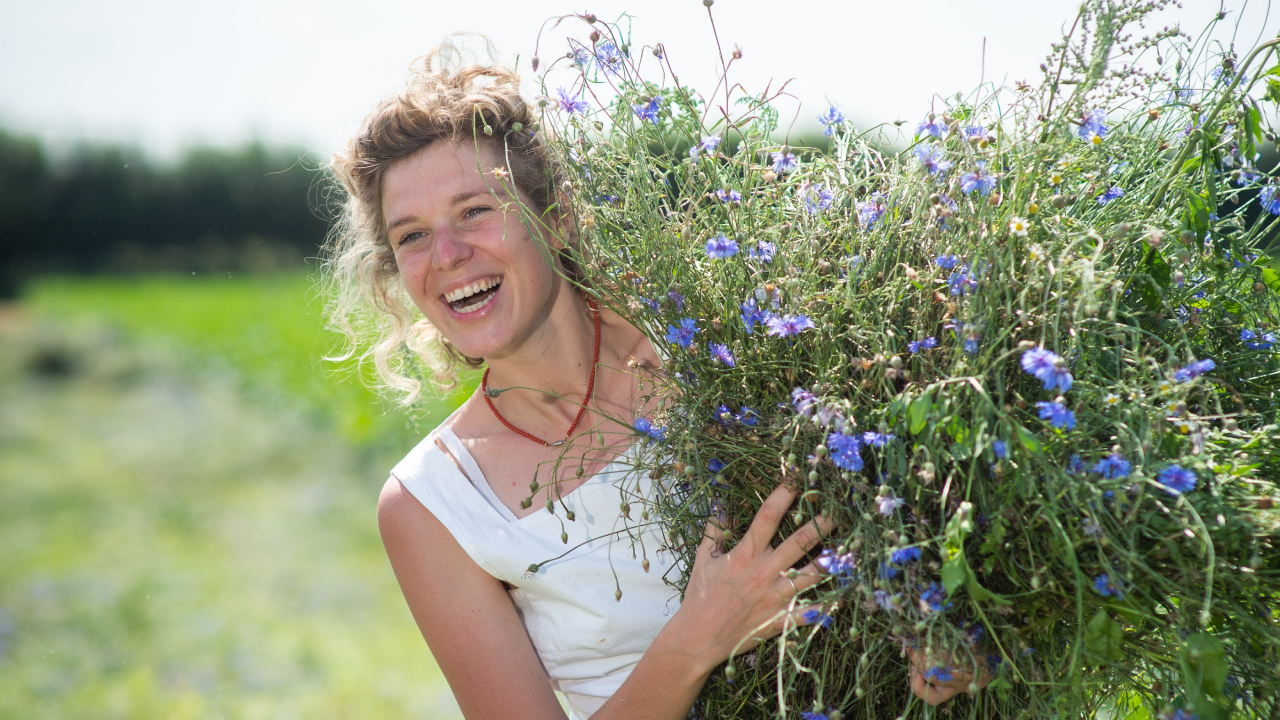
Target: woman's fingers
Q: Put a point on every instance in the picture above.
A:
(712, 540)
(759, 536)
(801, 542)
(929, 692)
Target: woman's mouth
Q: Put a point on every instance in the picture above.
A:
(474, 296)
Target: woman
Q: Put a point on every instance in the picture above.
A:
(452, 211)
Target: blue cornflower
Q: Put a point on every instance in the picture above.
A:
(947, 262)
(1268, 200)
(1180, 94)
(884, 600)
(1177, 480)
(1194, 370)
(652, 304)
(813, 616)
(1093, 124)
(834, 564)
(876, 439)
(870, 211)
(582, 58)
(729, 196)
(784, 162)
(934, 127)
(960, 282)
(845, 451)
(647, 428)
(979, 180)
(818, 198)
(1106, 588)
(752, 314)
(813, 715)
(1112, 193)
(1058, 415)
(708, 144)
(975, 132)
(748, 416)
(724, 415)
(831, 118)
(905, 555)
(787, 325)
(676, 299)
(970, 345)
(935, 598)
(763, 251)
(1181, 714)
(721, 353)
(1046, 367)
(933, 159)
(1254, 341)
(941, 674)
(1000, 448)
(1112, 467)
(608, 58)
(888, 571)
(569, 104)
(715, 465)
(721, 247)
(1218, 74)
(888, 503)
(804, 401)
(648, 111)
(1248, 176)
(683, 335)
(1075, 465)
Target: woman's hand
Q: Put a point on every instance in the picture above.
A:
(935, 691)
(736, 599)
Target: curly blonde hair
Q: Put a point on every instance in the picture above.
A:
(447, 98)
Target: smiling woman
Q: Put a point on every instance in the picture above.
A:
(452, 241)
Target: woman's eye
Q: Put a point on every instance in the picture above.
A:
(409, 237)
(475, 211)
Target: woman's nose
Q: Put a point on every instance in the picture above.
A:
(450, 250)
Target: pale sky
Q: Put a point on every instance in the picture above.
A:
(164, 74)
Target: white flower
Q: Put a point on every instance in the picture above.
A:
(1036, 252)
(1019, 226)
(1111, 399)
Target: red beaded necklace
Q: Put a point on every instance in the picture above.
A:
(591, 384)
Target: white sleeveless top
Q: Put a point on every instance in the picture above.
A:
(588, 640)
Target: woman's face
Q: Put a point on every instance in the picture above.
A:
(465, 256)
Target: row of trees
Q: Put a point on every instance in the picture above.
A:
(108, 208)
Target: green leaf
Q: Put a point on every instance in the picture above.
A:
(1204, 664)
(1029, 440)
(1273, 71)
(918, 414)
(1103, 638)
(1191, 164)
(1272, 279)
(1273, 90)
(954, 573)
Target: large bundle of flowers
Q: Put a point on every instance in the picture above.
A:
(1027, 366)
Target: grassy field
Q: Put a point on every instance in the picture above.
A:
(186, 512)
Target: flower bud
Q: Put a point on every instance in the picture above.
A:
(569, 514)
(1188, 237)
(708, 3)
(1259, 287)
(1033, 208)
(595, 36)
(617, 595)
(729, 672)
(564, 537)
(590, 18)
(645, 564)
(1154, 238)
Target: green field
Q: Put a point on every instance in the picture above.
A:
(186, 511)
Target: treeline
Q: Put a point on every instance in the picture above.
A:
(108, 208)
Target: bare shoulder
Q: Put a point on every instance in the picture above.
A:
(631, 343)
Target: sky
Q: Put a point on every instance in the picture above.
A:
(168, 74)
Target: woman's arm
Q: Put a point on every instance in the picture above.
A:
(464, 614)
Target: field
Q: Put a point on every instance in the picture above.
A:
(186, 511)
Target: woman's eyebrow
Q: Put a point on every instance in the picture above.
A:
(455, 200)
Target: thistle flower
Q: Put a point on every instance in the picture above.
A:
(569, 104)
(721, 247)
(1114, 192)
(752, 314)
(683, 335)
(720, 353)
(1057, 414)
(784, 162)
(979, 179)
(933, 159)
(1177, 480)
(845, 451)
(787, 325)
(831, 118)
(1019, 226)
(1046, 367)
(1112, 467)
(1267, 198)
(1194, 370)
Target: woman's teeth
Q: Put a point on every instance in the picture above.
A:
(472, 297)
(472, 289)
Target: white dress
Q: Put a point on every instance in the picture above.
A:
(588, 640)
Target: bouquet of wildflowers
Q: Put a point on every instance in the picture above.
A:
(1027, 366)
